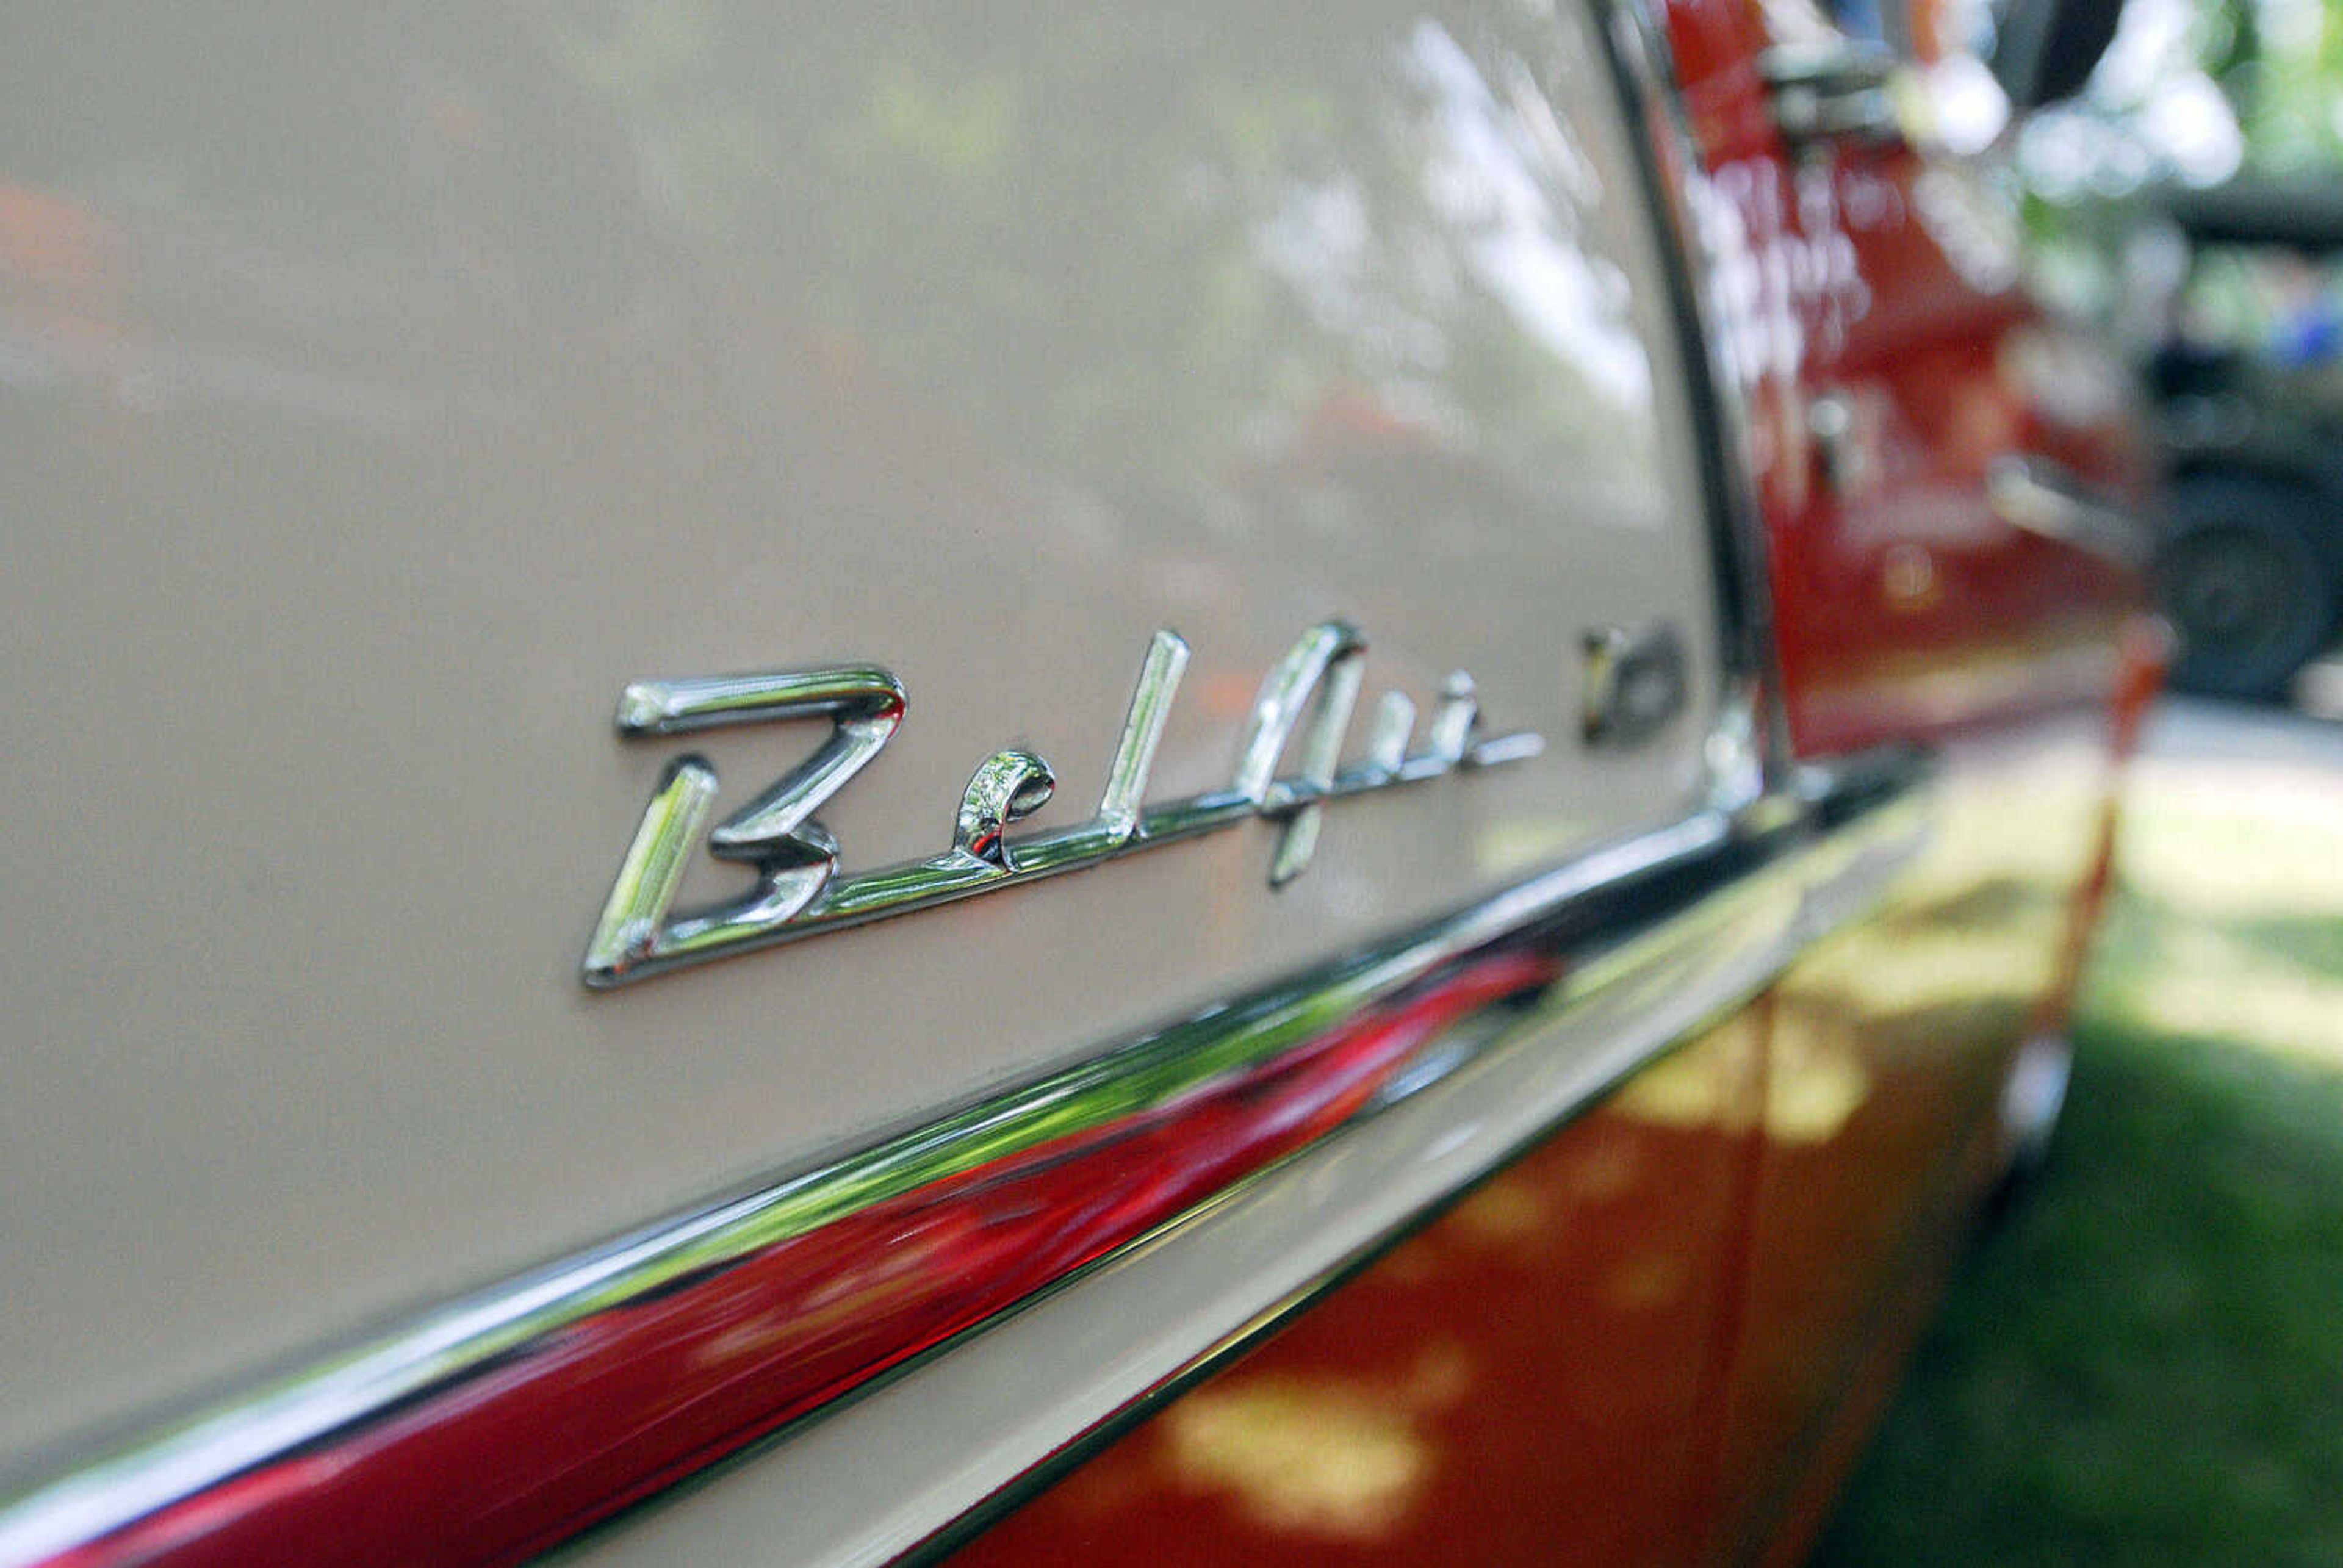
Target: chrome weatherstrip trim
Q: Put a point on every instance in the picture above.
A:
(297, 1455)
(1713, 328)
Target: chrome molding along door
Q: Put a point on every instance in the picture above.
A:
(506, 1420)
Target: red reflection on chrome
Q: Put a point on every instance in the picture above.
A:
(1535, 1378)
(584, 1422)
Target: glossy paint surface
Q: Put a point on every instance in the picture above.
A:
(1868, 297)
(625, 1400)
(405, 384)
(1888, 1047)
(1910, 607)
(384, 389)
(1890, 355)
(959, 1429)
(1894, 359)
(1647, 1341)
(1531, 1379)
(593, 1384)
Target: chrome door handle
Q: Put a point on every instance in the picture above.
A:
(1832, 91)
(2041, 497)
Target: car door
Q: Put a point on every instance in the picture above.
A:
(578, 573)
(509, 507)
(1932, 439)
(1943, 446)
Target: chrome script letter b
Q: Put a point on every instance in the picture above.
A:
(793, 855)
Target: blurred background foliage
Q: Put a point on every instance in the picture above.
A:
(2196, 91)
(2192, 93)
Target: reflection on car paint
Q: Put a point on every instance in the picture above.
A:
(1841, 1130)
(1522, 1381)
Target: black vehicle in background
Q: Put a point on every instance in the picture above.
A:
(2250, 571)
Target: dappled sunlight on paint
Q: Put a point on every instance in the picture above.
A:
(1334, 1457)
(1888, 1046)
(1809, 1095)
(1627, 1383)
(1812, 1091)
(1522, 1381)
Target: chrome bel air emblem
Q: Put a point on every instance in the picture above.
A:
(798, 891)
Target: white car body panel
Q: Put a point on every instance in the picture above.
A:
(419, 390)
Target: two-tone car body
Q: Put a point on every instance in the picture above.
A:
(774, 761)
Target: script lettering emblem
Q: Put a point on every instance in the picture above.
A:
(1304, 704)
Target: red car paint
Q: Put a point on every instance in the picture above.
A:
(1718, 1423)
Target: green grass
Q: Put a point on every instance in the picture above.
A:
(2143, 1360)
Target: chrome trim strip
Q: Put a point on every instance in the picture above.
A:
(1689, 219)
(1588, 913)
(1502, 1083)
